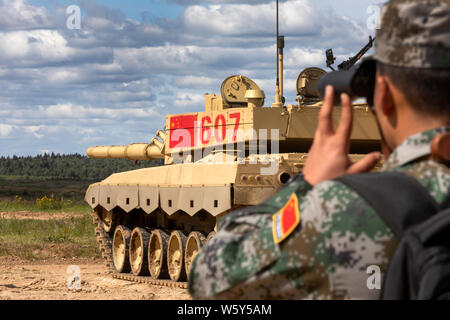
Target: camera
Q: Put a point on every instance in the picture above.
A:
(358, 81)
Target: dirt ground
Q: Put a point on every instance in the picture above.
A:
(24, 280)
(21, 215)
(48, 279)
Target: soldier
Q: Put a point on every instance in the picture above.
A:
(317, 238)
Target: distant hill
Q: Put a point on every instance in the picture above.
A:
(68, 167)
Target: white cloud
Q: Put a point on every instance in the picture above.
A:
(190, 100)
(5, 130)
(70, 111)
(195, 82)
(190, 2)
(296, 17)
(18, 14)
(34, 130)
(296, 57)
(34, 48)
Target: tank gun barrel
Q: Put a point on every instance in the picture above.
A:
(134, 151)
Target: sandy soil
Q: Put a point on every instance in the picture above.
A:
(23, 280)
(38, 215)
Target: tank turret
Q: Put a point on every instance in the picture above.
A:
(238, 117)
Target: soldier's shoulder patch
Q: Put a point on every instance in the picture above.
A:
(286, 219)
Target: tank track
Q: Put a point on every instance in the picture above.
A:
(105, 244)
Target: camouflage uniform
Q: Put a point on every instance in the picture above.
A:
(339, 235)
(328, 254)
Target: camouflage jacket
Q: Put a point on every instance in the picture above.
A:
(327, 255)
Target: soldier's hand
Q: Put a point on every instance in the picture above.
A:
(328, 157)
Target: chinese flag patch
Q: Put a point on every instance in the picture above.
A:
(182, 131)
(286, 220)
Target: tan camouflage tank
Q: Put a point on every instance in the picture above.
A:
(152, 222)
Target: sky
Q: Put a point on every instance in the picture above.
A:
(113, 80)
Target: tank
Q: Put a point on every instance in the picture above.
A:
(150, 223)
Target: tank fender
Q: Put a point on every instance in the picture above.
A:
(148, 198)
(92, 196)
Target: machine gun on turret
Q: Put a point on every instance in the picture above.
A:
(346, 65)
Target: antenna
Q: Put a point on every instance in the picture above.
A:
(279, 99)
(278, 68)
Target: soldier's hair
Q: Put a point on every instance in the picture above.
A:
(426, 90)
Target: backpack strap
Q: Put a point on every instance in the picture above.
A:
(399, 200)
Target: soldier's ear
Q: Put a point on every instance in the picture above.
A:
(385, 95)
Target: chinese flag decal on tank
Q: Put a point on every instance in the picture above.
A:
(286, 220)
(182, 131)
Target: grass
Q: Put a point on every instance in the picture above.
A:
(44, 239)
(30, 188)
(32, 239)
(55, 205)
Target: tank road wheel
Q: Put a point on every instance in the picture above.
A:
(157, 254)
(175, 256)
(194, 242)
(109, 220)
(121, 244)
(210, 236)
(138, 251)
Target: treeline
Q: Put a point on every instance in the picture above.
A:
(71, 166)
